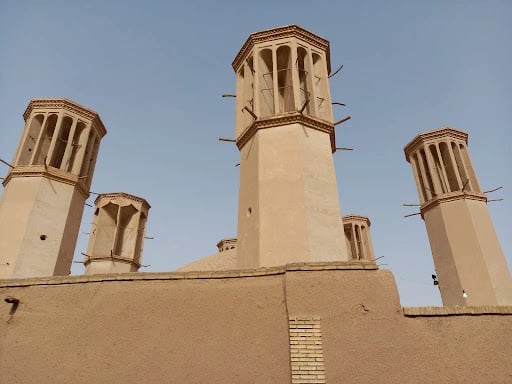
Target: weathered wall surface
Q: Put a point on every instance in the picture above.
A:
(232, 327)
(367, 338)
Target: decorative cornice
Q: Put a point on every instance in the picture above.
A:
(452, 196)
(346, 219)
(280, 33)
(287, 119)
(434, 135)
(122, 195)
(48, 172)
(66, 104)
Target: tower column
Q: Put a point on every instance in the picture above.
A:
(256, 91)
(360, 253)
(295, 76)
(311, 88)
(469, 168)
(417, 176)
(355, 248)
(461, 167)
(69, 145)
(25, 137)
(275, 76)
(371, 254)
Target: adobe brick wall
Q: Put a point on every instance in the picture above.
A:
(306, 352)
(234, 327)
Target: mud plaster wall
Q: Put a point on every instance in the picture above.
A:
(188, 328)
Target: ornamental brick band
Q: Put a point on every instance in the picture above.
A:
(306, 352)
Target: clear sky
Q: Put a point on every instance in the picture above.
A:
(155, 70)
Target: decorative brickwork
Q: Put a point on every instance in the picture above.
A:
(306, 352)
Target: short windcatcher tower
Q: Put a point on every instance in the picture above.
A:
(45, 191)
(117, 234)
(470, 263)
(358, 238)
(288, 204)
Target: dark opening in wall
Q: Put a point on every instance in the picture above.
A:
(31, 140)
(266, 83)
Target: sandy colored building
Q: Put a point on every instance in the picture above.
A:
(296, 297)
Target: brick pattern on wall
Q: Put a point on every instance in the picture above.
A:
(306, 353)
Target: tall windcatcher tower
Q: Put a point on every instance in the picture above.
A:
(45, 191)
(117, 234)
(470, 263)
(288, 204)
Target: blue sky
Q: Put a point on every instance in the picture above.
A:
(155, 70)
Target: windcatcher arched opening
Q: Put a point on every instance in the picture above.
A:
(126, 232)
(284, 79)
(320, 85)
(105, 230)
(46, 139)
(429, 187)
(76, 146)
(438, 170)
(266, 83)
(304, 70)
(27, 149)
(449, 167)
(61, 142)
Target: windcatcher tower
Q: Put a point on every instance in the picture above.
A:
(288, 204)
(227, 244)
(117, 234)
(358, 238)
(470, 264)
(45, 191)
